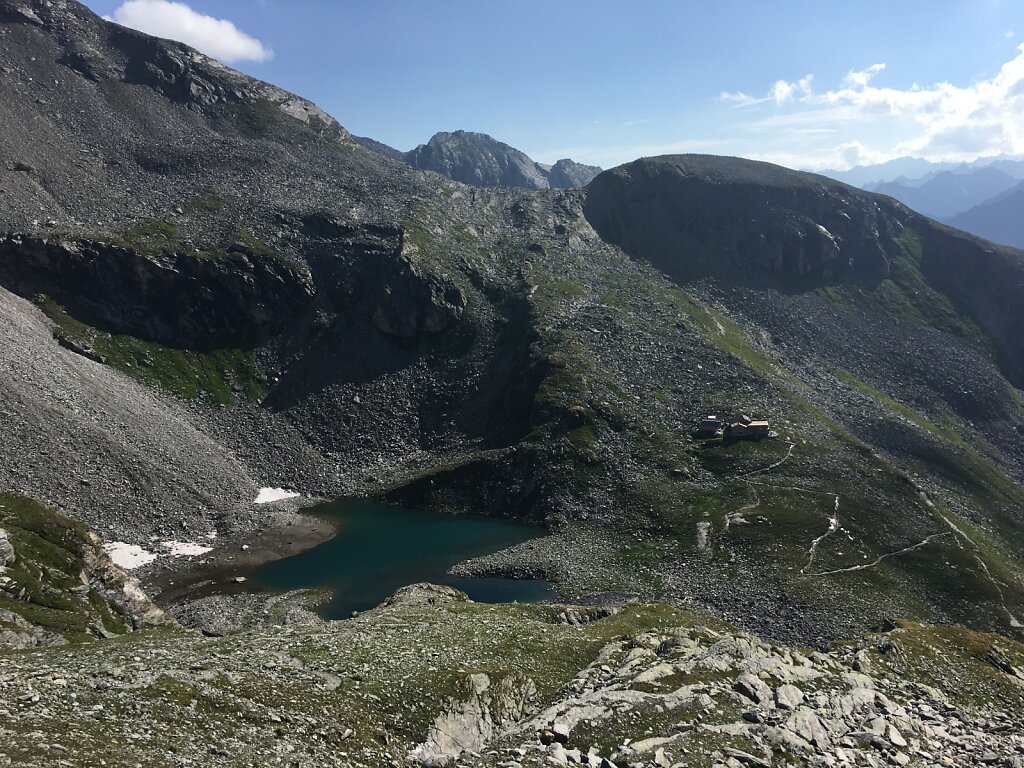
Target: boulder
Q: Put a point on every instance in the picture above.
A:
(789, 696)
(806, 724)
(6, 549)
(753, 688)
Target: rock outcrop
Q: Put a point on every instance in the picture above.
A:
(57, 585)
(430, 679)
(199, 300)
(474, 716)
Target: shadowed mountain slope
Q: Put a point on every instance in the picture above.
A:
(998, 219)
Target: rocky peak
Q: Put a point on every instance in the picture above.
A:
(483, 161)
(100, 50)
(478, 159)
(568, 174)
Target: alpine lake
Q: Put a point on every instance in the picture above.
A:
(379, 548)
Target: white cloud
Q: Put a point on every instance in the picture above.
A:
(781, 92)
(740, 99)
(860, 78)
(871, 123)
(177, 21)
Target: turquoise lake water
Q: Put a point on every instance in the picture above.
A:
(379, 548)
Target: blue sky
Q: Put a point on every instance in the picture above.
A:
(808, 84)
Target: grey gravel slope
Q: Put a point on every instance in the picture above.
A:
(102, 447)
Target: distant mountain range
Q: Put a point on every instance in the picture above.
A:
(948, 192)
(984, 197)
(998, 219)
(483, 161)
(917, 170)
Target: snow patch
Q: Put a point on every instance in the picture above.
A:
(267, 495)
(128, 556)
(184, 548)
(828, 234)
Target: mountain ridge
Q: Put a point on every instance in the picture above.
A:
(948, 193)
(996, 219)
(480, 160)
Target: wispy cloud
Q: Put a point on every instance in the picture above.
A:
(219, 38)
(942, 121)
(781, 92)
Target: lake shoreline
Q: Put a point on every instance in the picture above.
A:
(386, 547)
(236, 556)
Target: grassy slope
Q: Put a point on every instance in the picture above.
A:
(219, 376)
(43, 585)
(881, 514)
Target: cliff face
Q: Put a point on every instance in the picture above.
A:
(245, 298)
(741, 220)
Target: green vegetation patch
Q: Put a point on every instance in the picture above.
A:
(895, 406)
(906, 295)
(956, 660)
(43, 585)
(209, 201)
(218, 376)
(723, 332)
(254, 118)
(150, 236)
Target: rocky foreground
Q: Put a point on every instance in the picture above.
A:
(430, 678)
(92, 673)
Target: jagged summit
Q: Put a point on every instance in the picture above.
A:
(476, 158)
(483, 161)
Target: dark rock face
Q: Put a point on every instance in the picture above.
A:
(409, 304)
(178, 299)
(698, 215)
(371, 272)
